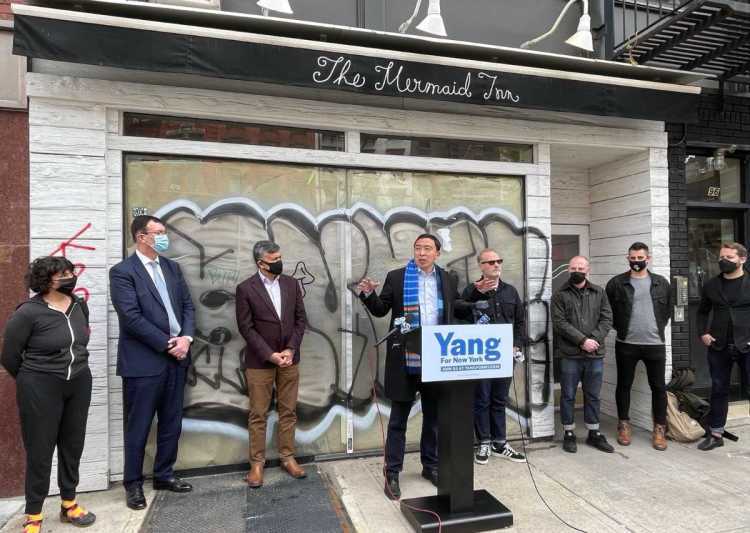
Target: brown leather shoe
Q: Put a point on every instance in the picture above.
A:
(294, 469)
(624, 432)
(255, 476)
(657, 438)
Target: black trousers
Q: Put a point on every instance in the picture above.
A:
(654, 358)
(395, 442)
(53, 412)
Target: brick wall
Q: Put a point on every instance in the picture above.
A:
(5, 13)
(721, 122)
(14, 259)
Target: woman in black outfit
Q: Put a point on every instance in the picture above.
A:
(45, 350)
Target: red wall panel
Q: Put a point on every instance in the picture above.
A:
(14, 259)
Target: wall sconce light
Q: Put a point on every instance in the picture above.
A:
(432, 23)
(582, 38)
(719, 162)
(282, 6)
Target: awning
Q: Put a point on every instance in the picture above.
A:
(96, 39)
(703, 35)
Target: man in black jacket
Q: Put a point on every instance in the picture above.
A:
(728, 336)
(424, 294)
(581, 318)
(491, 395)
(641, 308)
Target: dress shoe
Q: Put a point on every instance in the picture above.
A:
(430, 475)
(598, 441)
(294, 469)
(711, 442)
(255, 476)
(657, 438)
(174, 484)
(134, 498)
(569, 442)
(624, 432)
(392, 489)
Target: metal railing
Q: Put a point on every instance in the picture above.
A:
(627, 18)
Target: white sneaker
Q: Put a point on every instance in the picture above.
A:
(482, 455)
(506, 451)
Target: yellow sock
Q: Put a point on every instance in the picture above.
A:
(33, 523)
(68, 503)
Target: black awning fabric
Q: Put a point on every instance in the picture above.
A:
(133, 48)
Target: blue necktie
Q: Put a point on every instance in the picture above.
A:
(174, 325)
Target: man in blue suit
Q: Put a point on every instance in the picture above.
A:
(157, 322)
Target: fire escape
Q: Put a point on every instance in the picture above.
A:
(709, 36)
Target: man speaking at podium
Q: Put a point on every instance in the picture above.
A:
(424, 295)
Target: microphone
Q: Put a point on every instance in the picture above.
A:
(400, 325)
(480, 312)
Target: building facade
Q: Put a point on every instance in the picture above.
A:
(342, 145)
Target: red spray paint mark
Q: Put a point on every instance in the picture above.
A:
(79, 267)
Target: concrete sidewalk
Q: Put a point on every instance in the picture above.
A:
(636, 489)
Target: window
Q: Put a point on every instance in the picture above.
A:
(712, 179)
(448, 148)
(197, 129)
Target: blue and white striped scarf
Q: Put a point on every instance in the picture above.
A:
(411, 310)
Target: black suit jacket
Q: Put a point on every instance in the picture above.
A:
(712, 299)
(399, 386)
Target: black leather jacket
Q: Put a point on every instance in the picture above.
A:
(577, 315)
(620, 293)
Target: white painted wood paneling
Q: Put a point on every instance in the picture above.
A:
(629, 200)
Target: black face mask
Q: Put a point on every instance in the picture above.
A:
(275, 268)
(726, 266)
(66, 285)
(637, 266)
(576, 277)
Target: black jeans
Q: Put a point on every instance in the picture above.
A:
(490, 399)
(654, 358)
(395, 442)
(720, 364)
(53, 412)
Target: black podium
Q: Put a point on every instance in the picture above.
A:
(461, 508)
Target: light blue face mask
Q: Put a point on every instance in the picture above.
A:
(161, 243)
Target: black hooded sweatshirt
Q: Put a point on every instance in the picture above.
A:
(40, 338)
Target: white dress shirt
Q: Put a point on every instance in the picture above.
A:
(147, 265)
(274, 292)
(428, 298)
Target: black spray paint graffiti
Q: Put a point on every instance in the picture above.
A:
(220, 367)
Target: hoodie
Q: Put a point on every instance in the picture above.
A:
(40, 338)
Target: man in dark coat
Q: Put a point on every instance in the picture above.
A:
(725, 299)
(423, 294)
(157, 324)
(271, 318)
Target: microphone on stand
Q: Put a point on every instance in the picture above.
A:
(400, 326)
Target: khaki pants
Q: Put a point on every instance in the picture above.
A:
(260, 388)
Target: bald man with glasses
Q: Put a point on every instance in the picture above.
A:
(491, 395)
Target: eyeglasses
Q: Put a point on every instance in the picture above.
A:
(492, 262)
(154, 233)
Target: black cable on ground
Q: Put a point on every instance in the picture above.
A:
(531, 474)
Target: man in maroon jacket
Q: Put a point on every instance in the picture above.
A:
(271, 317)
